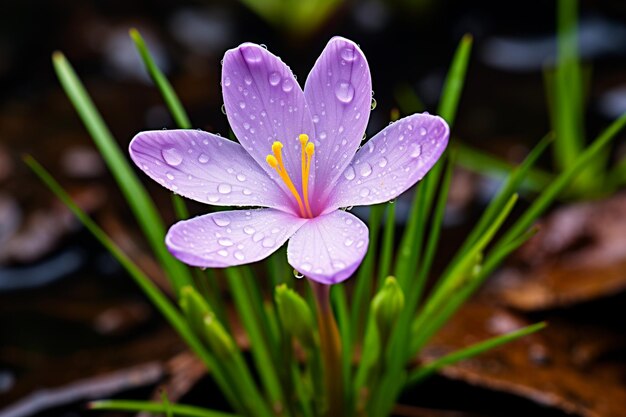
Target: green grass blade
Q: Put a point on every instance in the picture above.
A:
(407, 99)
(340, 304)
(453, 86)
(135, 194)
(489, 165)
(259, 344)
(550, 193)
(471, 351)
(169, 95)
(158, 299)
(363, 284)
(156, 408)
(386, 251)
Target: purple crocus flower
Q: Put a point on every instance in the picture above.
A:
(298, 158)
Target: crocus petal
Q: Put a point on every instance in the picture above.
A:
(391, 162)
(205, 168)
(264, 103)
(339, 94)
(228, 238)
(329, 248)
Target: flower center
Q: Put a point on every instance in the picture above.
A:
(276, 162)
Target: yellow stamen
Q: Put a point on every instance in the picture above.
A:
(276, 161)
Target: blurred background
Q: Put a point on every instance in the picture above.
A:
(74, 327)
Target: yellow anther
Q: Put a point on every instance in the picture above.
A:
(277, 147)
(304, 138)
(272, 161)
(310, 148)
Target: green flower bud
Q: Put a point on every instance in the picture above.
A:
(387, 306)
(220, 341)
(195, 308)
(296, 316)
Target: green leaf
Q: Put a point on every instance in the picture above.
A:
(156, 408)
(169, 95)
(453, 86)
(471, 351)
(135, 194)
(386, 252)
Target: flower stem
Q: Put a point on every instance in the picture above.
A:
(330, 346)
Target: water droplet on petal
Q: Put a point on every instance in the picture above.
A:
(316, 118)
(242, 105)
(338, 265)
(241, 177)
(239, 256)
(249, 230)
(348, 242)
(203, 158)
(365, 170)
(224, 188)
(258, 236)
(423, 131)
(364, 192)
(268, 242)
(170, 176)
(225, 242)
(298, 275)
(348, 54)
(222, 252)
(246, 191)
(247, 79)
(172, 156)
(374, 103)
(251, 54)
(274, 78)
(287, 85)
(306, 267)
(227, 81)
(349, 173)
(213, 198)
(221, 220)
(383, 162)
(416, 150)
(344, 91)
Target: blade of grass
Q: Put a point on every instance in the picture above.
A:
(340, 304)
(135, 194)
(453, 86)
(363, 287)
(552, 191)
(471, 351)
(169, 95)
(155, 408)
(386, 252)
(158, 299)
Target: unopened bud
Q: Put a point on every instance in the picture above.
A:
(218, 339)
(296, 316)
(387, 305)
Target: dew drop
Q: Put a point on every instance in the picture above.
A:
(213, 198)
(374, 103)
(223, 108)
(306, 267)
(364, 192)
(239, 256)
(225, 242)
(247, 79)
(322, 135)
(203, 158)
(242, 105)
(338, 265)
(172, 156)
(349, 173)
(251, 55)
(169, 176)
(416, 150)
(287, 85)
(222, 252)
(348, 54)
(344, 91)
(348, 242)
(316, 118)
(383, 162)
(241, 177)
(227, 81)
(221, 220)
(365, 170)
(224, 188)
(274, 78)
(246, 191)
(258, 236)
(298, 275)
(423, 131)
(249, 230)
(268, 242)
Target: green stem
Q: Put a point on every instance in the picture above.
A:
(330, 348)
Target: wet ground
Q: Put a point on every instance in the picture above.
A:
(73, 324)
